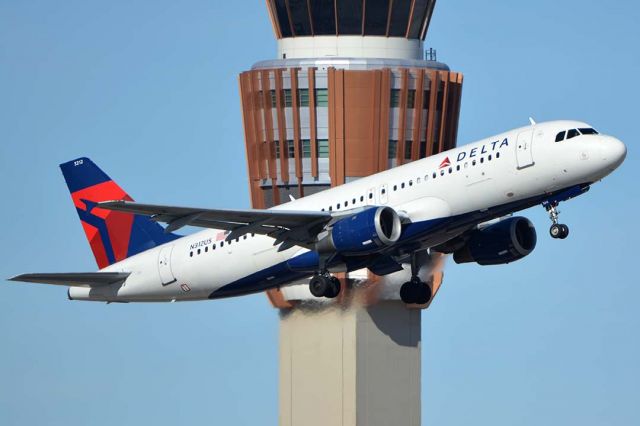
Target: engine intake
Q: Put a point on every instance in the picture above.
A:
(364, 232)
(503, 242)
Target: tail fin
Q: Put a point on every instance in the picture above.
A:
(113, 236)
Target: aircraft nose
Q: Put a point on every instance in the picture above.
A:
(614, 152)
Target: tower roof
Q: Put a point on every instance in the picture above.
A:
(389, 18)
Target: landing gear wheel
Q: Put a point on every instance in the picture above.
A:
(424, 294)
(333, 290)
(324, 285)
(559, 230)
(319, 285)
(415, 291)
(555, 231)
(565, 232)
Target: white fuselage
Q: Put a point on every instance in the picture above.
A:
(506, 169)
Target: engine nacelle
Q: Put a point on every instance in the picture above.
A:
(503, 242)
(364, 232)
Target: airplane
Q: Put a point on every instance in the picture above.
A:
(457, 202)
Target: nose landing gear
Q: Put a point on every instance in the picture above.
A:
(557, 230)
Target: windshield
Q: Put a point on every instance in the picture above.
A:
(572, 133)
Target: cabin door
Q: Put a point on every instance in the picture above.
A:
(164, 265)
(524, 155)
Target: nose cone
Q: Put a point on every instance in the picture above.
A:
(613, 152)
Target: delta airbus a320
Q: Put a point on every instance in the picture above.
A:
(458, 202)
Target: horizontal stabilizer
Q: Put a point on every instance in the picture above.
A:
(74, 279)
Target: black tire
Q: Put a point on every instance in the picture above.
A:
(406, 293)
(555, 231)
(565, 232)
(318, 285)
(333, 289)
(425, 294)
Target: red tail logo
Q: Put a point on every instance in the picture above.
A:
(445, 163)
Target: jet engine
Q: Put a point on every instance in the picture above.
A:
(503, 242)
(363, 232)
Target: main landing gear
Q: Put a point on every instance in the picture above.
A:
(415, 290)
(557, 230)
(324, 285)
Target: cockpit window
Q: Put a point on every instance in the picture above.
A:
(588, 131)
(560, 136)
(572, 133)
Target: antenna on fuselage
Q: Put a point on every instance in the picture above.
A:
(532, 121)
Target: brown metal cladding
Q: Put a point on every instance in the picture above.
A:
(295, 113)
(313, 131)
(258, 123)
(385, 100)
(248, 111)
(456, 112)
(443, 114)
(361, 100)
(335, 80)
(282, 128)
(402, 120)
(417, 114)
(431, 117)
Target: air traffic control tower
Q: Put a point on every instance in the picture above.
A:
(352, 92)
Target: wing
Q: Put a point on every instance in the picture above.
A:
(74, 279)
(286, 226)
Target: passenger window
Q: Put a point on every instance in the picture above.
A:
(411, 183)
(442, 172)
(450, 170)
(198, 251)
(221, 243)
(383, 191)
(473, 163)
(434, 175)
(402, 185)
(560, 136)
(190, 254)
(482, 159)
(371, 195)
(353, 201)
(489, 158)
(418, 181)
(346, 204)
(458, 168)
(395, 187)
(338, 206)
(497, 155)
(214, 247)
(362, 198)
(206, 249)
(573, 133)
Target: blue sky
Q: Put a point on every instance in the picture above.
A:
(148, 89)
